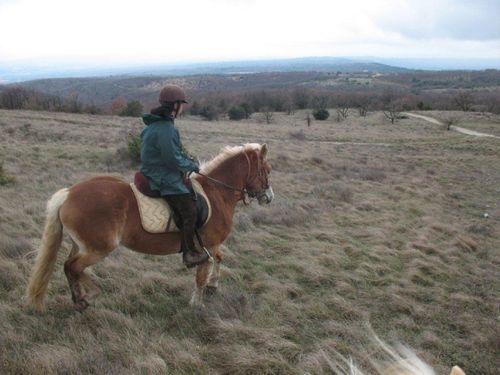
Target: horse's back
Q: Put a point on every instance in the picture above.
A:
(98, 205)
(98, 191)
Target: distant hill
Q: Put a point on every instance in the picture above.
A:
(29, 71)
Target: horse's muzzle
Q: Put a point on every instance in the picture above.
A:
(267, 196)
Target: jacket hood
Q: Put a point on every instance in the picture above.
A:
(148, 118)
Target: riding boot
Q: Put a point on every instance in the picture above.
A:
(185, 207)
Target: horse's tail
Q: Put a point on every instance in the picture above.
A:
(47, 253)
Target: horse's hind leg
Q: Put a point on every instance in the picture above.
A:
(88, 281)
(74, 269)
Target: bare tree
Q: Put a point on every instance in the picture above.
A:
(362, 110)
(289, 107)
(342, 112)
(464, 100)
(118, 105)
(14, 97)
(268, 115)
(392, 110)
(320, 102)
(450, 121)
(300, 98)
(73, 104)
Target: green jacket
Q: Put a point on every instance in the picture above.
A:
(162, 160)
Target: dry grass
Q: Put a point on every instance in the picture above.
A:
(389, 229)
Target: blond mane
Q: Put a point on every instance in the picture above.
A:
(385, 360)
(226, 153)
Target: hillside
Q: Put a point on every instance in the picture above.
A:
(436, 89)
(372, 222)
(24, 71)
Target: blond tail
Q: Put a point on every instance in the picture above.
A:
(47, 253)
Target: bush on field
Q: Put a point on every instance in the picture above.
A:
(134, 147)
(4, 178)
(237, 113)
(209, 113)
(133, 109)
(248, 109)
(321, 114)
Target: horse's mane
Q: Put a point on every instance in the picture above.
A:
(384, 360)
(400, 361)
(226, 153)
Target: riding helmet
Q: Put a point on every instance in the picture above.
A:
(172, 94)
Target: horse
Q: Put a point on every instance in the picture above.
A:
(101, 213)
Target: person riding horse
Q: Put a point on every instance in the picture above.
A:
(164, 163)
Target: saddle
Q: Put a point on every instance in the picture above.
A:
(156, 214)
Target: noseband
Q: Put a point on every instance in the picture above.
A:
(260, 175)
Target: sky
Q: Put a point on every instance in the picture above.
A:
(164, 31)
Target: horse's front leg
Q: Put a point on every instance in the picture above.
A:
(202, 275)
(213, 280)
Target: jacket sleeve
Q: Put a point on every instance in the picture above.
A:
(171, 152)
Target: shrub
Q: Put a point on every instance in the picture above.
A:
(134, 147)
(321, 114)
(248, 109)
(92, 109)
(133, 109)
(5, 179)
(195, 109)
(267, 115)
(209, 113)
(237, 113)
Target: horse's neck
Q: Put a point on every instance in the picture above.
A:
(233, 173)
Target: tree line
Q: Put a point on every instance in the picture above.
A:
(18, 97)
(238, 105)
(241, 105)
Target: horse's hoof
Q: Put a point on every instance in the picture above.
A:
(210, 290)
(81, 305)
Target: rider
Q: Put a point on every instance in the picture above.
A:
(164, 163)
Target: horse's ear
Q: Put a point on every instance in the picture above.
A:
(263, 150)
(457, 371)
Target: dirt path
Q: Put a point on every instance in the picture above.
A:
(455, 128)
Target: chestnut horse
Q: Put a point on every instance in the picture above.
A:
(101, 213)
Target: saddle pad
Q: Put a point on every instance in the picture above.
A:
(156, 214)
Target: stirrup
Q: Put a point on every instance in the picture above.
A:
(208, 253)
(196, 263)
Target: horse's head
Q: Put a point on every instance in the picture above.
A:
(257, 184)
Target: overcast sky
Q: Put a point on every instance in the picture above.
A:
(210, 30)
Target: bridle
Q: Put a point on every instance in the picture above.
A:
(246, 195)
(261, 175)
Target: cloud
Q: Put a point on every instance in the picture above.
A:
(194, 30)
(452, 19)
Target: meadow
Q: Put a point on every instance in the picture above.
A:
(396, 225)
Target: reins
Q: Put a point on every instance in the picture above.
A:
(221, 183)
